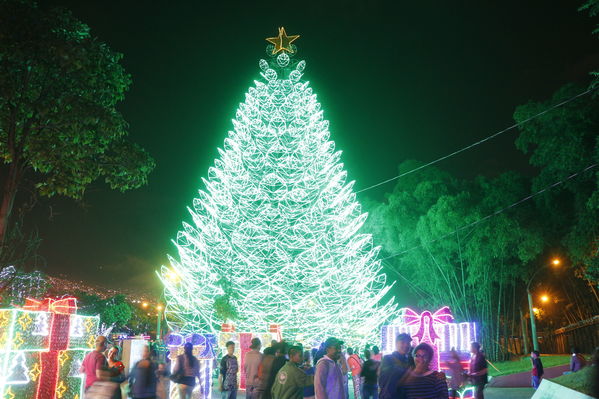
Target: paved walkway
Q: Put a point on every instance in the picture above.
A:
(521, 380)
(509, 393)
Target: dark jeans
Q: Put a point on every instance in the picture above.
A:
(370, 391)
(479, 391)
(536, 381)
(232, 394)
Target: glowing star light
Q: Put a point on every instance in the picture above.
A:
(275, 234)
(282, 42)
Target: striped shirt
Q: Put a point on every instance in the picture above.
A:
(428, 386)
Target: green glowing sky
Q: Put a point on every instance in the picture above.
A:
(395, 81)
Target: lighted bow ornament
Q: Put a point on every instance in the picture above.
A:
(426, 322)
(56, 306)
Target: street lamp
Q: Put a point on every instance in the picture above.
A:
(533, 326)
(544, 298)
(158, 322)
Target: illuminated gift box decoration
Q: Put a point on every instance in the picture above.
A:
(243, 340)
(204, 349)
(42, 347)
(436, 329)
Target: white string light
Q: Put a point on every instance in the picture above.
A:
(279, 222)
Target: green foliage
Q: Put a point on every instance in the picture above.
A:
(59, 88)
(561, 143)
(582, 381)
(523, 364)
(446, 256)
(116, 311)
(113, 311)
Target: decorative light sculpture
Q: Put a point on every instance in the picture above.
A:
(41, 349)
(204, 349)
(278, 223)
(242, 341)
(435, 329)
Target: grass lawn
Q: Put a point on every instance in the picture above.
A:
(519, 366)
(579, 381)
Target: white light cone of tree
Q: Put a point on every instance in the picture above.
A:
(279, 222)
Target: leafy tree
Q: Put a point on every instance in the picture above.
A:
(59, 125)
(116, 311)
(447, 257)
(113, 311)
(561, 143)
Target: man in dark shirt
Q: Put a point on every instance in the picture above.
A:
(394, 366)
(478, 370)
(537, 369)
(369, 372)
(228, 373)
(277, 364)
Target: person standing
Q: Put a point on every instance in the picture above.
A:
(478, 370)
(355, 367)
(421, 382)
(94, 363)
(264, 372)
(253, 359)
(393, 367)
(344, 370)
(328, 378)
(537, 368)
(456, 372)
(309, 370)
(116, 369)
(370, 368)
(277, 364)
(187, 369)
(377, 356)
(143, 377)
(291, 380)
(228, 373)
(577, 361)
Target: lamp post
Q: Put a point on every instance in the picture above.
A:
(533, 326)
(158, 322)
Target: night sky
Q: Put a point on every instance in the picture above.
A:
(396, 81)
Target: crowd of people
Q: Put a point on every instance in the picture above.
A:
(289, 372)
(281, 371)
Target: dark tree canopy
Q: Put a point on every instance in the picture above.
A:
(561, 143)
(59, 123)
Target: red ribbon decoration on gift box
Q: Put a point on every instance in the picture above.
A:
(58, 340)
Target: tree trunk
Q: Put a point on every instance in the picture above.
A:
(9, 192)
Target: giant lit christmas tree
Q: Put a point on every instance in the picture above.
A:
(275, 231)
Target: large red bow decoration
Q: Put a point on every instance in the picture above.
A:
(426, 322)
(59, 306)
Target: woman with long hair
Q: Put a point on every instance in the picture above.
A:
(421, 382)
(116, 368)
(186, 371)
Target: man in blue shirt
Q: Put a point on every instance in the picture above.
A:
(394, 366)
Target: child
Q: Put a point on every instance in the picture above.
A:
(537, 369)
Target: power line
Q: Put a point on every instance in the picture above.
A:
(494, 213)
(515, 125)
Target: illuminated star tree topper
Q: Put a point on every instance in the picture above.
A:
(274, 236)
